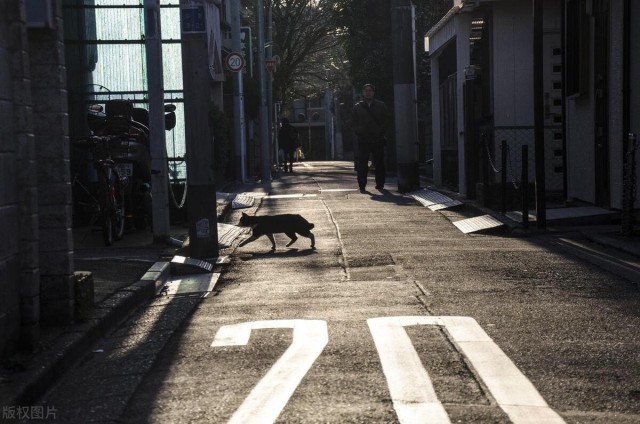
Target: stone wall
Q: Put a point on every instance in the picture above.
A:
(19, 273)
(36, 262)
(51, 130)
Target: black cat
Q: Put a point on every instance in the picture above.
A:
(268, 225)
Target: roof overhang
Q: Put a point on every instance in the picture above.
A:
(443, 31)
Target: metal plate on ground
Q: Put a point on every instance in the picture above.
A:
(445, 205)
(242, 200)
(191, 284)
(430, 198)
(478, 223)
(227, 233)
(185, 265)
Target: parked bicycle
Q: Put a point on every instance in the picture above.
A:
(102, 193)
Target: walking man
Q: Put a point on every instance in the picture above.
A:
(370, 122)
(288, 141)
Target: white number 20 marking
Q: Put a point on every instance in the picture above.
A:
(414, 398)
(412, 392)
(271, 394)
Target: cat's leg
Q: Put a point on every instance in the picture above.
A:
(273, 241)
(310, 236)
(293, 237)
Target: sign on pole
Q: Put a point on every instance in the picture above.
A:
(247, 52)
(234, 62)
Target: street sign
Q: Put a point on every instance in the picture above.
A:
(192, 20)
(234, 62)
(245, 41)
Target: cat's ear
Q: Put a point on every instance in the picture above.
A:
(244, 214)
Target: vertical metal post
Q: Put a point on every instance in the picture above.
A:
(265, 143)
(629, 185)
(503, 176)
(404, 89)
(238, 97)
(159, 165)
(538, 112)
(524, 186)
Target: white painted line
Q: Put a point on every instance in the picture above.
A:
(513, 392)
(412, 393)
(271, 394)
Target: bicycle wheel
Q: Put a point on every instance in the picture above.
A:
(119, 215)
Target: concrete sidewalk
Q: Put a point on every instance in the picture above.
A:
(125, 275)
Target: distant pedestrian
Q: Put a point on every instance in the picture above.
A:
(288, 141)
(370, 122)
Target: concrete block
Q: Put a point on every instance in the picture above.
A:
(57, 287)
(51, 171)
(27, 173)
(55, 239)
(84, 293)
(9, 226)
(47, 74)
(48, 124)
(57, 312)
(9, 283)
(29, 254)
(54, 147)
(6, 123)
(55, 194)
(29, 281)
(26, 146)
(56, 263)
(55, 216)
(28, 229)
(29, 310)
(8, 180)
(28, 200)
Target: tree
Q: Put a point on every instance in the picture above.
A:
(310, 53)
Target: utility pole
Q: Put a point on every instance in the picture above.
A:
(405, 96)
(238, 96)
(201, 190)
(265, 143)
(538, 114)
(159, 168)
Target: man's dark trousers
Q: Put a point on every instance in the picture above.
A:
(364, 151)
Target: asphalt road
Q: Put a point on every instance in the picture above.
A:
(396, 317)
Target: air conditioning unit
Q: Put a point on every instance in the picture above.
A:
(39, 13)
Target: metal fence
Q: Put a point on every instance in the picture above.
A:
(502, 161)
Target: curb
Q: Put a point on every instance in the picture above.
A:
(75, 341)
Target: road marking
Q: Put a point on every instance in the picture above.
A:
(412, 393)
(271, 394)
(411, 389)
